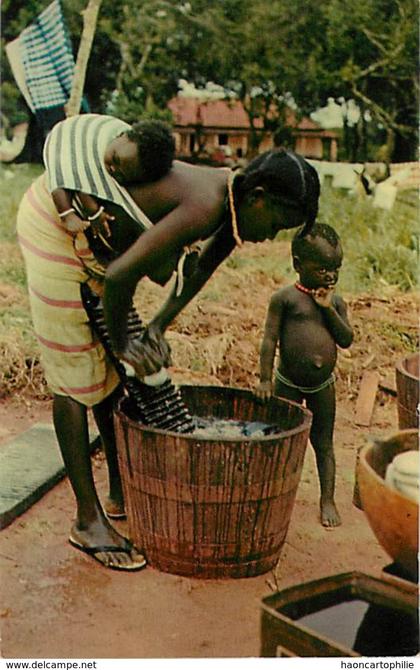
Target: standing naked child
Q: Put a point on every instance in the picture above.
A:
(308, 319)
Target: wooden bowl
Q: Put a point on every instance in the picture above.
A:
(392, 516)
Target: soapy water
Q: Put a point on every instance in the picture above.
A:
(211, 427)
(369, 629)
(338, 622)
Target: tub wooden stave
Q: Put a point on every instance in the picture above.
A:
(407, 375)
(210, 507)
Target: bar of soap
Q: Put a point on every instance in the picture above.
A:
(157, 378)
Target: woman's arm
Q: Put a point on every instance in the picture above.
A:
(213, 254)
(167, 238)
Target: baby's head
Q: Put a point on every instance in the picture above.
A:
(317, 256)
(142, 154)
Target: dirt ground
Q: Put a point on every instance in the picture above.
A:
(58, 603)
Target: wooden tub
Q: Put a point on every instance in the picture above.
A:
(212, 507)
(392, 516)
(408, 379)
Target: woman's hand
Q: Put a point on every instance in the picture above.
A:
(145, 360)
(264, 390)
(154, 336)
(147, 354)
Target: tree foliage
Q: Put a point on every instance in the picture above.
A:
(375, 49)
(268, 51)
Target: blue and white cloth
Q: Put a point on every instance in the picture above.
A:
(43, 65)
(47, 58)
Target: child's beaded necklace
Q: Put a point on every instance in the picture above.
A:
(302, 288)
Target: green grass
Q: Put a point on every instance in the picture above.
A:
(14, 180)
(398, 337)
(273, 266)
(12, 271)
(19, 367)
(380, 247)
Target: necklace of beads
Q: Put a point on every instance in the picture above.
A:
(235, 230)
(302, 288)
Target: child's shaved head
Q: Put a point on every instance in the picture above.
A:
(301, 244)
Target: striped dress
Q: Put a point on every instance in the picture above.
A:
(74, 361)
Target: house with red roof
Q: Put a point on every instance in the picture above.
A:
(221, 128)
(313, 141)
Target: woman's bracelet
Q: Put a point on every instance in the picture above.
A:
(68, 211)
(97, 214)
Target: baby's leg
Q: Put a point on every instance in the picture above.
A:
(322, 406)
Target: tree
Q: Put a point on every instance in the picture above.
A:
(156, 40)
(270, 52)
(240, 48)
(375, 46)
(90, 17)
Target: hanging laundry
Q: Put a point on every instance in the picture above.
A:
(43, 64)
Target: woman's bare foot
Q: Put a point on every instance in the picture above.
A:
(330, 518)
(101, 541)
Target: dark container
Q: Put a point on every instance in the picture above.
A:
(407, 374)
(350, 614)
(213, 508)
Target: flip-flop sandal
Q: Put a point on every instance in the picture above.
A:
(115, 515)
(126, 549)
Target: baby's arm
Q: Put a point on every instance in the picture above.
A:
(89, 203)
(268, 348)
(62, 199)
(334, 311)
(98, 218)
